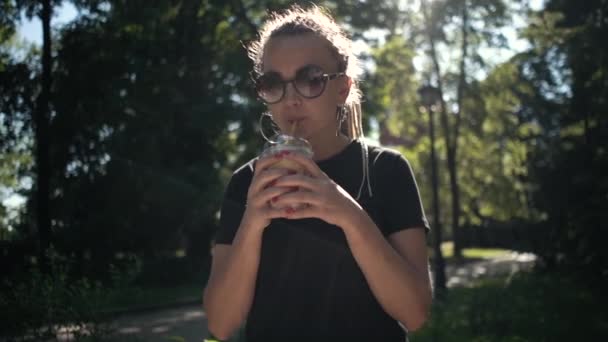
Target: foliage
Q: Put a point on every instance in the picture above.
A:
(492, 153)
(567, 67)
(495, 150)
(16, 95)
(40, 306)
(526, 307)
(152, 108)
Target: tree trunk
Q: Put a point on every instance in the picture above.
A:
(451, 140)
(41, 122)
(440, 277)
(452, 149)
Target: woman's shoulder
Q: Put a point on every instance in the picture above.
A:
(383, 156)
(245, 169)
(242, 175)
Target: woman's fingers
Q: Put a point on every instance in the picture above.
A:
(264, 163)
(297, 198)
(272, 213)
(284, 189)
(299, 181)
(309, 165)
(266, 178)
(271, 194)
(300, 213)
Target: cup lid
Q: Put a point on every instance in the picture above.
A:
(285, 141)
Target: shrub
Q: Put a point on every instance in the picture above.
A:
(40, 306)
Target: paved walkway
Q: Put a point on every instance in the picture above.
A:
(466, 274)
(188, 324)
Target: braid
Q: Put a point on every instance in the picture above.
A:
(353, 127)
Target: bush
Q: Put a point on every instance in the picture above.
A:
(527, 307)
(40, 306)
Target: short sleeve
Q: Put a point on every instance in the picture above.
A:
(233, 205)
(401, 206)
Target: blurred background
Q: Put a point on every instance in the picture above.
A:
(121, 122)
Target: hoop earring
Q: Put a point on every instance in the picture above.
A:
(341, 114)
(261, 126)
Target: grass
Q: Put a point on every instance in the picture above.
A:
(529, 306)
(526, 307)
(134, 298)
(137, 298)
(33, 305)
(447, 249)
(140, 298)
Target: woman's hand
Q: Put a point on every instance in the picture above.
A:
(262, 190)
(316, 195)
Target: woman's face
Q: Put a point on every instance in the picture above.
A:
(297, 57)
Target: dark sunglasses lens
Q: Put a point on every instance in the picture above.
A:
(310, 81)
(270, 87)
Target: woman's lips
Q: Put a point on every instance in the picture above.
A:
(298, 120)
(294, 126)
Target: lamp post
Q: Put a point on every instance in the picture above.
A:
(430, 97)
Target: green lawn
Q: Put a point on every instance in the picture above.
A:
(529, 306)
(137, 298)
(447, 249)
(526, 307)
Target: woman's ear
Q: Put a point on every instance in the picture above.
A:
(345, 89)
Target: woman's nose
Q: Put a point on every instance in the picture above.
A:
(291, 94)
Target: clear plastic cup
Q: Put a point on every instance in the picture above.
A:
(292, 144)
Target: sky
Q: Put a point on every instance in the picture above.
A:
(31, 30)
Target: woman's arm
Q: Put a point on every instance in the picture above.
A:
(395, 269)
(229, 292)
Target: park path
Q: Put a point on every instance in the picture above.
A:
(187, 323)
(180, 324)
(509, 264)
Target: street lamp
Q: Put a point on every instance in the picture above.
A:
(429, 98)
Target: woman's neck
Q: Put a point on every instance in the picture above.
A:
(328, 147)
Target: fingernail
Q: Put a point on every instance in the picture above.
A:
(276, 198)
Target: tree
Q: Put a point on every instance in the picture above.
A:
(16, 105)
(143, 135)
(567, 66)
(471, 24)
(41, 117)
(151, 109)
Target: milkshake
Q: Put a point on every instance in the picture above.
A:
(291, 144)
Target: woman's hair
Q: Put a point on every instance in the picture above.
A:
(297, 21)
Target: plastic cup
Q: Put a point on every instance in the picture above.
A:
(291, 144)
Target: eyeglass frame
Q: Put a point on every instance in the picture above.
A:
(326, 78)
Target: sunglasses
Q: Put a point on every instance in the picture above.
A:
(310, 82)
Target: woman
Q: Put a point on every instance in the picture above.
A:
(350, 263)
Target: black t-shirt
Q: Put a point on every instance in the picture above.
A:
(309, 286)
